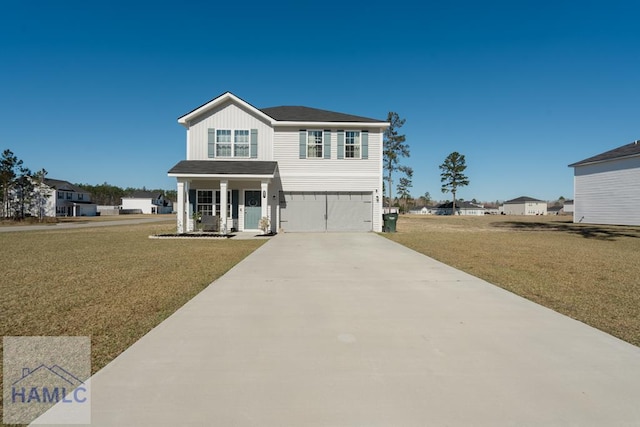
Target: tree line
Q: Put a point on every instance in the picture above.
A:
(111, 195)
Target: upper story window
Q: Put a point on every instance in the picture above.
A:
(232, 143)
(241, 143)
(314, 144)
(223, 143)
(352, 144)
(80, 196)
(69, 196)
(60, 195)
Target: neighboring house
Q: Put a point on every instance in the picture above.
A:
(525, 206)
(607, 187)
(148, 202)
(66, 199)
(303, 168)
(568, 207)
(462, 208)
(555, 210)
(421, 211)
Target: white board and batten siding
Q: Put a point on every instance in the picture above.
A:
(608, 192)
(232, 117)
(356, 180)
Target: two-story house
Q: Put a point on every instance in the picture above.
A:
(525, 206)
(66, 199)
(303, 168)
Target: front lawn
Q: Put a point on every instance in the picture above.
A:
(113, 284)
(588, 272)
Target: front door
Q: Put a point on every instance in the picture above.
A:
(252, 209)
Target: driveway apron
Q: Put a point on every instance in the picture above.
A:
(351, 329)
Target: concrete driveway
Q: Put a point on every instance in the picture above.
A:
(355, 330)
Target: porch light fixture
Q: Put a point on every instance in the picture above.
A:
(264, 194)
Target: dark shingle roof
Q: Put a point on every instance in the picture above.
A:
(632, 149)
(59, 184)
(307, 114)
(523, 199)
(225, 167)
(142, 194)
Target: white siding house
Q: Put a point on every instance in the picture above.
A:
(148, 203)
(66, 199)
(462, 208)
(607, 187)
(525, 206)
(568, 207)
(303, 168)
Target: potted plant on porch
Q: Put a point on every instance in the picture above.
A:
(197, 221)
(264, 225)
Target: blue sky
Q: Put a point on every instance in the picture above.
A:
(91, 91)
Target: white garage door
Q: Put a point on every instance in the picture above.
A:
(326, 211)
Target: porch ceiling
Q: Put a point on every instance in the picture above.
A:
(224, 168)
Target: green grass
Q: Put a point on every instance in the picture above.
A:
(588, 272)
(113, 284)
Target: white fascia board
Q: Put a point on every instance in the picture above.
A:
(381, 125)
(184, 120)
(220, 176)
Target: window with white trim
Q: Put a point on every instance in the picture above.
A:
(204, 202)
(314, 144)
(241, 143)
(233, 143)
(223, 143)
(352, 144)
(206, 206)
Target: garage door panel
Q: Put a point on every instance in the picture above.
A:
(326, 211)
(303, 212)
(349, 212)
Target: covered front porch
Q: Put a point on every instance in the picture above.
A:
(236, 195)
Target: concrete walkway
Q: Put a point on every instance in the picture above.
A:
(355, 330)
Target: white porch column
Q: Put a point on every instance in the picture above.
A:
(264, 204)
(223, 206)
(181, 207)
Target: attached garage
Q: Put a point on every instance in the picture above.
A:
(326, 211)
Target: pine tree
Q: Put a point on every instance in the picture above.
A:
(395, 147)
(452, 175)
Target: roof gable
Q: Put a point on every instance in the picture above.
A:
(628, 150)
(217, 101)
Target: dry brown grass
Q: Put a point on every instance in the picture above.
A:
(588, 272)
(110, 283)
